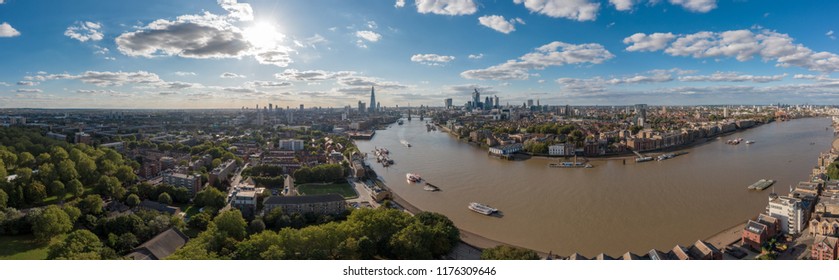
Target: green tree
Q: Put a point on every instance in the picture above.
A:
(72, 212)
(51, 222)
(25, 159)
(4, 199)
(110, 187)
(92, 204)
(86, 168)
(75, 188)
(35, 193)
(445, 234)
(165, 199)
(67, 170)
(3, 172)
(47, 172)
(211, 197)
(232, 224)
(78, 245)
(9, 158)
(200, 221)
(125, 174)
(42, 158)
(132, 201)
(833, 171)
(58, 154)
(57, 189)
(504, 252)
(256, 226)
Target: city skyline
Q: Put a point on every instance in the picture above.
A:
(229, 54)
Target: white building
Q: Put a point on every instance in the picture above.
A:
(789, 211)
(564, 149)
(506, 149)
(291, 145)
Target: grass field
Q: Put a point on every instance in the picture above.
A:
(23, 247)
(343, 189)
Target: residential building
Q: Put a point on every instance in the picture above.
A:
(824, 248)
(83, 138)
(755, 233)
(245, 201)
(160, 246)
(328, 204)
(222, 171)
(790, 212)
(824, 225)
(191, 182)
(291, 145)
(702, 250)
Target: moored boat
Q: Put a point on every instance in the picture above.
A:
(413, 178)
(481, 208)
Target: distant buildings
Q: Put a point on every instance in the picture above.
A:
(83, 138)
(329, 204)
(372, 100)
(563, 149)
(291, 145)
(447, 102)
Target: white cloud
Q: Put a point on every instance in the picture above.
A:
(310, 75)
(368, 35)
(498, 23)
(7, 31)
(447, 7)
(181, 73)
(2, 1)
(432, 59)
(29, 90)
(84, 31)
(830, 35)
(553, 54)
(699, 6)
(208, 36)
(732, 77)
(106, 78)
(744, 45)
(399, 4)
(28, 83)
(228, 75)
(476, 56)
(623, 5)
(267, 84)
(579, 10)
(240, 11)
(652, 42)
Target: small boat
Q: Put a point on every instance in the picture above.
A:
(750, 142)
(404, 142)
(430, 187)
(665, 157)
(481, 208)
(568, 164)
(643, 159)
(400, 122)
(413, 178)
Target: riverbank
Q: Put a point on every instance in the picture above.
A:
(470, 239)
(727, 236)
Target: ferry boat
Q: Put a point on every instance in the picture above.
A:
(413, 178)
(404, 142)
(665, 157)
(734, 141)
(481, 208)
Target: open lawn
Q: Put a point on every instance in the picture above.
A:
(343, 189)
(23, 247)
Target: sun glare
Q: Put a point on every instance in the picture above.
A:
(263, 35)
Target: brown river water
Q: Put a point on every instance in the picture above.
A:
(611, 208)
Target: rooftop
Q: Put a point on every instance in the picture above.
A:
(755, 227)
(160, 246)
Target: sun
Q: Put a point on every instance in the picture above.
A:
(263, 35)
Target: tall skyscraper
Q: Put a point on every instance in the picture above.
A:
(529, 103)
(301, 107)
(496, 103)
(641, 111)
(447, 102)
(270, 107)
(372, 100)
(361, 107)
(476, 99)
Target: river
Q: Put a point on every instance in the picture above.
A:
(611, 208)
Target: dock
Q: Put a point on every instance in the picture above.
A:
(761, 184)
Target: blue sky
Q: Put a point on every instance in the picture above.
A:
(229, 54)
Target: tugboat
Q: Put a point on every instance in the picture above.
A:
(413, 178)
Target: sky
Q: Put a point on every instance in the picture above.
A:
(329, 53)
